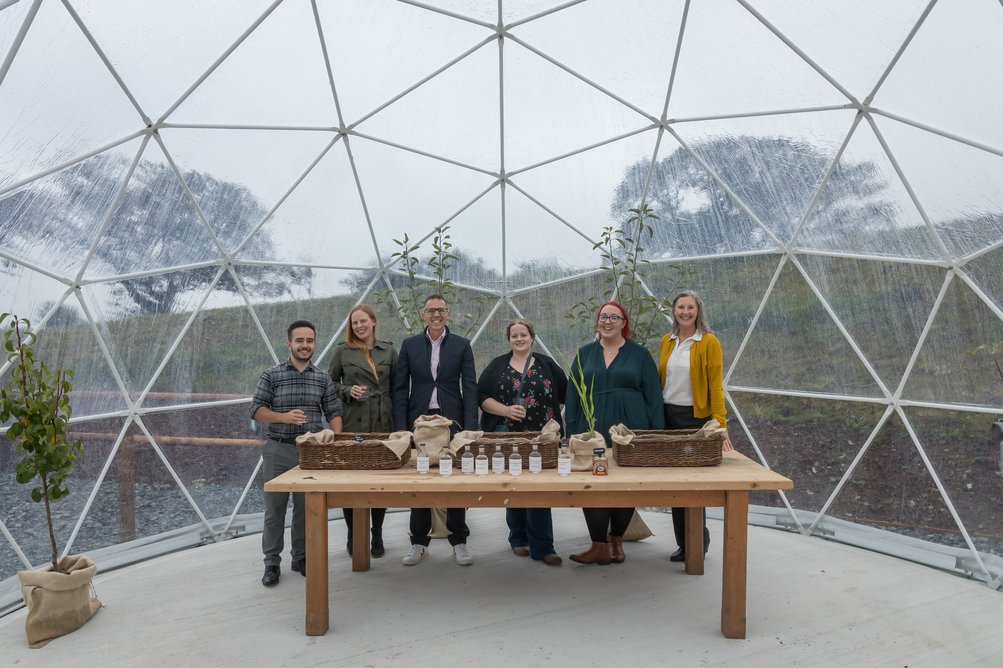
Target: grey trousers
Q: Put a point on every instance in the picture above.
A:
(277, 458)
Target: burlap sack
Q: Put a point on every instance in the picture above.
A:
(637, 529)
(580, 447)
(58, 603)
(431, 435)
(551, 432)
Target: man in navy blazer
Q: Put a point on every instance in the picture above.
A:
(435, 376)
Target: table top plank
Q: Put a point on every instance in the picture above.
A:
(736, 472)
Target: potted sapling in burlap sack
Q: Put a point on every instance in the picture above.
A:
(59, 596)
(581, 445)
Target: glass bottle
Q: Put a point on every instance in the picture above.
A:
(498, 461)
(422, 461)
(515, 461)
(467, 461)
(535, 459)
(445, 462)
(600, 465)
(481, 462)
(564, 461)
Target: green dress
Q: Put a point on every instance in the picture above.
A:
(349, 367)
(628, 392)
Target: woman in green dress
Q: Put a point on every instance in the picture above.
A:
(363, 369)
(625, 390)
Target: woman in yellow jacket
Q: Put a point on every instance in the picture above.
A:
(690, 367)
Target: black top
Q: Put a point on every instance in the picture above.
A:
(545, 391)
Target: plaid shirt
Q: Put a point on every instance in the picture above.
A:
(283, 388)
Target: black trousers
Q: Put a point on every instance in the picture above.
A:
(377, 518)
(421, 525)
(601, 520)
(681, 417)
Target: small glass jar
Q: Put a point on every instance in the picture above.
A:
(600, 465)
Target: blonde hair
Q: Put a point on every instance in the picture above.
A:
(352, 341)
(701, 323)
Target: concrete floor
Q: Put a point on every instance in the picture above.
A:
(811, 603)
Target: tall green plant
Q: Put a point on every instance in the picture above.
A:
(621, 251)
(584, 392)
(37, 398)
(410, 298)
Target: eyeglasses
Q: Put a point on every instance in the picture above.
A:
(609, 318)
(437, 311)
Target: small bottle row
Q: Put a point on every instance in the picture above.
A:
(471, 465)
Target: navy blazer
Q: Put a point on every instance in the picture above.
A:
(413, 383)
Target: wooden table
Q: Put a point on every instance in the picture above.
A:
(694, 488)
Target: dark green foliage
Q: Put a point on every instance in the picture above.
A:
(37, 398)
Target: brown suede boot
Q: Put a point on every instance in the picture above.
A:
(597, 554)
(616, 554)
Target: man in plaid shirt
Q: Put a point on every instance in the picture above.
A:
(292, 398)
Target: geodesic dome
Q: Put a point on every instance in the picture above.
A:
(178, 182)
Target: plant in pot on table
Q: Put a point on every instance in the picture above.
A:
(36, 400)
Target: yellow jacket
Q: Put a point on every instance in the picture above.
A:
(706, 370)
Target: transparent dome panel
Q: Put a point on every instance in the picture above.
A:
(860, 38)
(959, 191)
(369, 73)
(276, 77)
(892, 489)
(893, 298)
(731, 63)
(58, 101)
(631, 59)
(812, 441)
(774, 165)
(543, 111)
(796, 345)
(960, 446)
(864, 209)
(954, 364)
(51, 222)
(453, 116)
(164, 51)
(949, 75)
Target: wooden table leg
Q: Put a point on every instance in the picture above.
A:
(360, 539)
(734, 572)
(694, 541)
(317, 611)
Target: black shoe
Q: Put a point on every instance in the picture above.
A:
(680, 554)
(271, 576)
(377, 544)
(348, 545)
(299, 565)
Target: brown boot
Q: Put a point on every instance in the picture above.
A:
(597, 554)
(616, 554)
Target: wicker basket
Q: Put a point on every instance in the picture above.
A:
(674, 447)
(548, 451)
(352, 451)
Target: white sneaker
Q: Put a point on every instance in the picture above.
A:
(462, 555)
(414, 555)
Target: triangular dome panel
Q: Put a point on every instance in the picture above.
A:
(865, 208)
(869, 297)
(953, 366)
(731, 63)
(56, 105)
(169, 63)
(795, 344)
(949, 77)
(274, 77)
